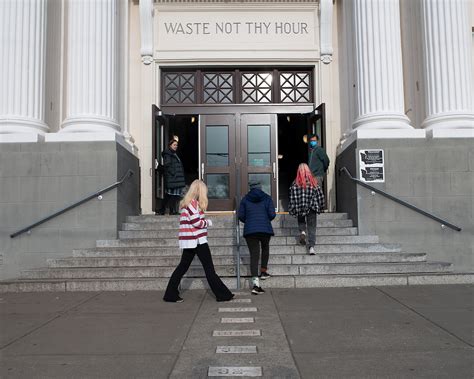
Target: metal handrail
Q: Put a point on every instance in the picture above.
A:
(399, 201)
(128, 174)
(237, 226)
(237, 230)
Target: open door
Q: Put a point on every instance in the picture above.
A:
(159, 135)
(317, 125)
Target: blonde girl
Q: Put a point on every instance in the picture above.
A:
(193, 240)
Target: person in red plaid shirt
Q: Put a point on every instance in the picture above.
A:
(306, 202)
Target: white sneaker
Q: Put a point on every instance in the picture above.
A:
(302, 240)
(311, 251)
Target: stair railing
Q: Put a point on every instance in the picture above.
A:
(443, 223)
(97, 194)
(237, 232)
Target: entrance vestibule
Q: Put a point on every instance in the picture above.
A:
(292, 150)
(227, 150)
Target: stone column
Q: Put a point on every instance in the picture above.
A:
(379, 76)
(92, 67)
(447, 64)
(22, 66)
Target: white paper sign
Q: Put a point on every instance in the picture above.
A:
(371, 166)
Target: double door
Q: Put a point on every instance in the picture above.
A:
(227, 150)
(235, 149)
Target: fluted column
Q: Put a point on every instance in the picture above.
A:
(92, 66)
(22, 66)
(447, 64)
(379, 76)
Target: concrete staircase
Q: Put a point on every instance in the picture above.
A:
(147, 252)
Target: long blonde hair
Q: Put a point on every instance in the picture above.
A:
(197, 191)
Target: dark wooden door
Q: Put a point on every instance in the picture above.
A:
(217, 138)
(160, 134)
(258, 153)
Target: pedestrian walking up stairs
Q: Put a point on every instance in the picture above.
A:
(147, 252)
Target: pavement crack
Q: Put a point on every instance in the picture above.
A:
(58, 315)
(424, 317)
(187, 332)
(286, 335)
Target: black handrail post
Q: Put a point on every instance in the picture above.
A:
(399, 201)
(237, 203)
(128, 174)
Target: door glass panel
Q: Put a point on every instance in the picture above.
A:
(217, 146)
(258, 142)
(217, 186)
(264, 179)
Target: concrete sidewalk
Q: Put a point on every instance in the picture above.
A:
(396, 332)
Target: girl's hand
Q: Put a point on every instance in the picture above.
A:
(209, 222)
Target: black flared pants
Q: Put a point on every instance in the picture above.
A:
(203, 252)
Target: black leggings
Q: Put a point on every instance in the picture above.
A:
(254, 242)
(219, 289)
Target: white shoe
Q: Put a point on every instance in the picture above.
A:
(302, 240)
(311, 251)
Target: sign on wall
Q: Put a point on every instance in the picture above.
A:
(244, 33)
(371, 165)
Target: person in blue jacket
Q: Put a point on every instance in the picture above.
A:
(257, 211)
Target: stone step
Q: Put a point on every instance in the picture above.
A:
(224, 271)
(226, 241)
(311, 281)
(280, 232)
(232, 250)
(174, 225)
(228, 217)
(219, 260)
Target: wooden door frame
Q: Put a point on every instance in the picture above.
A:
(158, 116)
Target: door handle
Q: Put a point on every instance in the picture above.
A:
(202, 171)
(274, 170)
(157, 164)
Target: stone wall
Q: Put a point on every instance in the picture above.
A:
(37, 179)
(435, 175)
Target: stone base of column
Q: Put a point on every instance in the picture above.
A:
(384, 134)
(449, 121)
(90, 137)
(22, 125)
(89, 125)
(21, 138)
(450, 133)
(382, 121)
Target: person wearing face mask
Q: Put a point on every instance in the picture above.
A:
(318, 161)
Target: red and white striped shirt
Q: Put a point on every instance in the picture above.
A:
(192, 226)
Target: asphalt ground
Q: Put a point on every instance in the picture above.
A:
(367, 332)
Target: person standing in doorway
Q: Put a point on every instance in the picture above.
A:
(318, 160)
(174, 178)
(193, 240)
(257, 211)
(306, 202)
